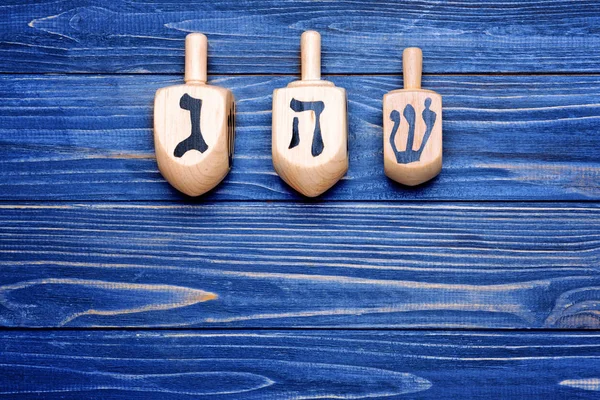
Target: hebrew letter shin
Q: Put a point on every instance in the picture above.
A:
(409, 155)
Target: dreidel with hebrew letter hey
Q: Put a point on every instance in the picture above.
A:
(194, 126)
(412, 126)
(310, 137)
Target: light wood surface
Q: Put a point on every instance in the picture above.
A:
(310, 55)
(412, 127)
(194, 126)
(196, 58)
(310, 133)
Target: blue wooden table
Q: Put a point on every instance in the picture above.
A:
(483, 283)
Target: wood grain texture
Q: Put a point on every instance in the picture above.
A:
(299, 365)
(412, 150)
(359, 37)
(193, 135)
(310, 135)
(310, 126)
(505, 137)
(373, 256)
(291, 265)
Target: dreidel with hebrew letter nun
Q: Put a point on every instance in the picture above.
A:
(194, 126)
(310, 137)
(412, 126)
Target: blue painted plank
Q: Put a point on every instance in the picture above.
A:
(111, 36)
(290, 265)
(299, 365)
(505, 138)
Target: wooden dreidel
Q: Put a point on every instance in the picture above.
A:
(412, 126)
(194, 126)
(310, 138)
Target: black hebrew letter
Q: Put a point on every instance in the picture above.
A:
(409, 114)
(409, 155)
(395, 116)
(195, 141)
(317, 107)
(429, 118)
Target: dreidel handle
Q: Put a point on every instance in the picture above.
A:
(412, 67)
(310, 50)
(196, 54)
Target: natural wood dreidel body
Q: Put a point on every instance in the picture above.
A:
(412, 126)
(310, 135)
(194, 126)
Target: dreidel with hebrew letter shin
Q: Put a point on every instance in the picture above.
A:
(194, 126)
(412, 126)
(310, 136)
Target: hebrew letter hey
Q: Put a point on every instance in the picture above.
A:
(317, 107)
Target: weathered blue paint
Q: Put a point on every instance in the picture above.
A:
(243, 264)
(505, 138)
(299, 364)
(346, 260)
(116, 36)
